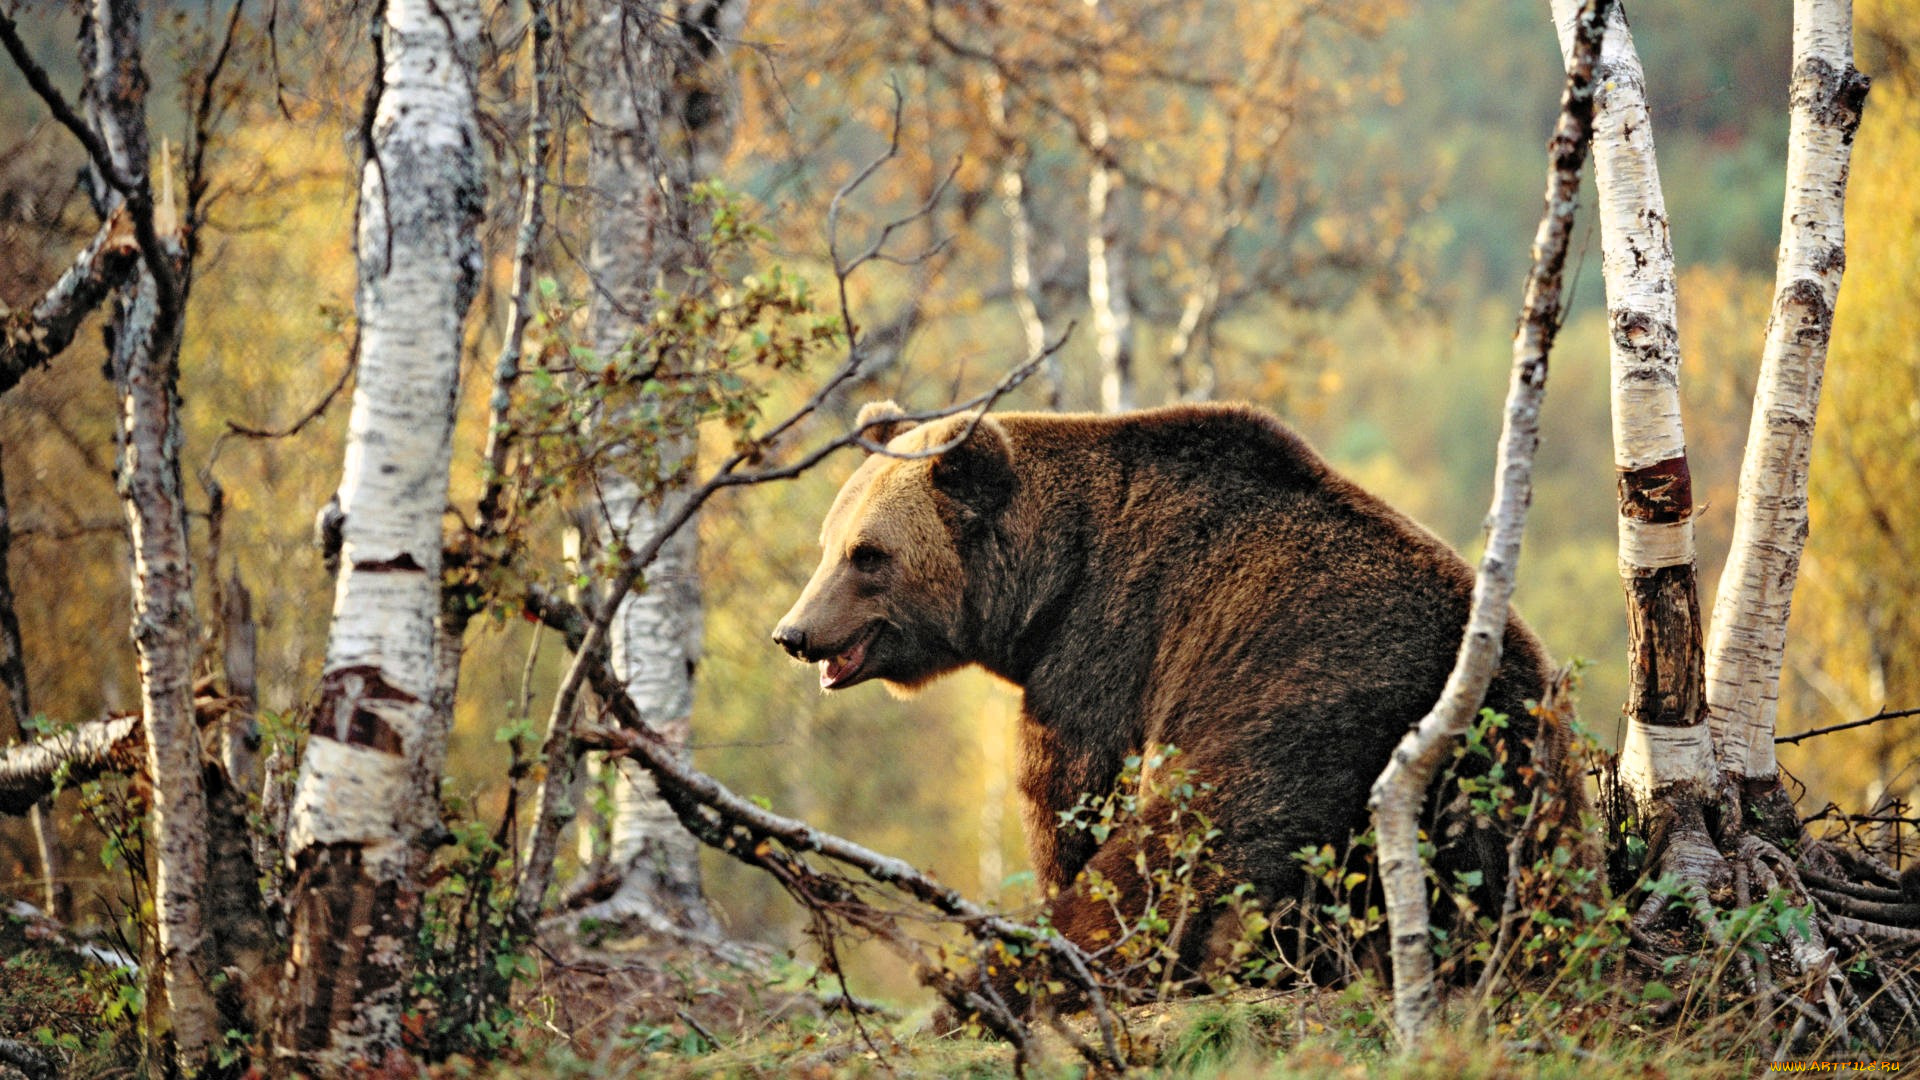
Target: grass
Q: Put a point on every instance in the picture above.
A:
(1317, 1033)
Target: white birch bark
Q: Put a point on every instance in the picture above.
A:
(1749, 636)
(1202, 302)
(368, 785)
(1401, 789)
(1106, 253)
(164, 632)
(1667, 741)
(660, 105)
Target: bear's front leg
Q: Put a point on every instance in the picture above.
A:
(1144, 920)
(1056, 771)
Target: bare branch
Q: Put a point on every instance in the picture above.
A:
(1399, 792)
(63, 112)
(1883, 714)
(135, 189)
(315, 412)
(506, 368)
(203, 127)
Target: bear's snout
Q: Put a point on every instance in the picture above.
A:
(791, 638)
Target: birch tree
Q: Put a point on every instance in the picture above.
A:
(1106, 253)
(1012, 188)
(146, 321)
(1402, 787)
(660, 96)
(1748, 641)
(1666, 759)
(368, 784)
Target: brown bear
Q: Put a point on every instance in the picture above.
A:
(1194, 576)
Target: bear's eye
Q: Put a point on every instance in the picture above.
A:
(866, 558)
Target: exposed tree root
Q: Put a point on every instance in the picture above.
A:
(1822, 970)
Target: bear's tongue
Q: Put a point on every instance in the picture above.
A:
(832, 671)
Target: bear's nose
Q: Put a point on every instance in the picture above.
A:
(791, 638)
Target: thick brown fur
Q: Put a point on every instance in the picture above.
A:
(1194, 576)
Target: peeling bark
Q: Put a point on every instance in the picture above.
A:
(1401, 789)
(368, 787)
(1667, 742)
(1770, 525)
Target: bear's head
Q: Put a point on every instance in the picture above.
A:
(890, 599)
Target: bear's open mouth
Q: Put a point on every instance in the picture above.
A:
(844, 669)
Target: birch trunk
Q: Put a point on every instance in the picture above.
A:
(1106, 254)
(1750, 611)
(660, 99)
(367, 791)
(1013, 203)
(1668, 742)
(1401, 789)
(182, 1020)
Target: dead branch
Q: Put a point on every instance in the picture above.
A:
(1898, 935)
(31, 771)
(1883, 714)
(1875, 910)
(29, 339)
(744, 830)
(1856, 889)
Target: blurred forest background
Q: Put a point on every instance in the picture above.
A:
(1357, 217)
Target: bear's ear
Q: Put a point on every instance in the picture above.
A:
(880, 421)
(978, 473)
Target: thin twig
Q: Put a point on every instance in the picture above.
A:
(1883, 714)
(136, 190)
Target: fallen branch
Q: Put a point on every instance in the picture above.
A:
(1899, 935)
(30, 771)
(743, 829)
(1856, 889)
(773, 843)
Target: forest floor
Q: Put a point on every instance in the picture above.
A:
(666, 1014)
(637, 1009)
